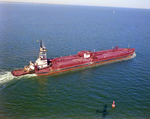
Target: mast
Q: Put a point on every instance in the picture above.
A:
(42, 53)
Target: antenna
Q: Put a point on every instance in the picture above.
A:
(41, 43)
(128, 45)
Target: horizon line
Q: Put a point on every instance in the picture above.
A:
(72, 4)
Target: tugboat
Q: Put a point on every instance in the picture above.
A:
(40, 63)
(45, 66)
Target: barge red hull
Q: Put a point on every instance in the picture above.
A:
(80, 60)
(86, 59)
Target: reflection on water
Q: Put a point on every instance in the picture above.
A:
(104, 111)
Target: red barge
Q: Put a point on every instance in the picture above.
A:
(44, 66)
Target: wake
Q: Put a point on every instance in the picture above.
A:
(6, 76)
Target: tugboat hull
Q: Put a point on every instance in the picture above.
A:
(21, 72)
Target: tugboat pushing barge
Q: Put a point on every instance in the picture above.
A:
(45, 66)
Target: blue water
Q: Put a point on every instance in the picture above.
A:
(67, 30)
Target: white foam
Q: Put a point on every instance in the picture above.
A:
(133, 56)
(6, 76)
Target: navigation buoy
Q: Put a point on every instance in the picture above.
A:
(113, 105)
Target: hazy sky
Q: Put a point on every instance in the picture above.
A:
(111, 3)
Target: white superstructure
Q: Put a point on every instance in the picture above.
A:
(41, 62)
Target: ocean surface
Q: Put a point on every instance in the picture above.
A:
(78, 94)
